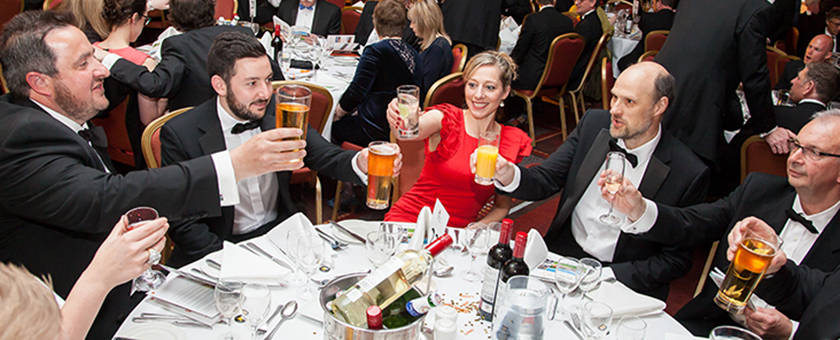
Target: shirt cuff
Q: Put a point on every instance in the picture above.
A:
(363, 176)
(644, 223)
(110, 60)
(762, 135)
(793, 328)
(514, 184)
(228, 191)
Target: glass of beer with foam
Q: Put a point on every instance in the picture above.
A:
(293, 102)
(757, 249)
(380, 171)
(485, 163)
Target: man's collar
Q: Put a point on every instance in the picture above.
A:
(61, 118)
(809, 100)
(546, 6)
(586, 14)
(225, 118)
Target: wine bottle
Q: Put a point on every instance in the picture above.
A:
(277, 43)
(496, 257)
(374, 317)
(412, 310)
(516, 265)
(398, 305)
(387, 283)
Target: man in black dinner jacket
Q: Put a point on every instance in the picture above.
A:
(666, 170)
(815, 85)
(59, 194)
(802, 208)
(322, 17)
(181, 74)
(531, 50)
(241, 76)
(474, 23)
(661, 19)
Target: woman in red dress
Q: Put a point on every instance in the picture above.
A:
(451, 136)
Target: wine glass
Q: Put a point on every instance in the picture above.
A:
(615, 175)
(310, 255)
(326, 51)
(292, 238)
(597, 317)
(380, 246)
(255, 305)
(476, 238)
(567, 276)
(228, 295)
(591, 275)
(150, 279)
(631, 328)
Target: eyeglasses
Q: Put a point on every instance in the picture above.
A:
(808, 151)
(148, 20)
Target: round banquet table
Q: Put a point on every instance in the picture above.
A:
(453, 289)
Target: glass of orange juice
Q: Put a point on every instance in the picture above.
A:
(485, 164)
(293, 102)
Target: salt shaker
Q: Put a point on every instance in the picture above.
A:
(446, 323)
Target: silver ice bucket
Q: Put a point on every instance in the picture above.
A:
(335, 329)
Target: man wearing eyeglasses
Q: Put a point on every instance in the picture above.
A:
(811, 191)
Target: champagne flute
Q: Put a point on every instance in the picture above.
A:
(228, 296)
(292, 238)
(310, 255)
(380, 246)
(476, 239)
(150, 279)
(567, 276)
(591, 275)
(615, 175)
(255, 305)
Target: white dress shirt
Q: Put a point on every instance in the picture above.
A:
(257, 195)
(305, 17)
(798, 240)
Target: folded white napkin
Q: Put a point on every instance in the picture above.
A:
(424, 221)
(277, 235)
(240, 264)
(624, 301)
(535, 250)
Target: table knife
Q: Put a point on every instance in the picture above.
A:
(189, 276)
(356, 236)
(264, 253)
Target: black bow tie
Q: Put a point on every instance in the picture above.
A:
(242, 127)
(629, 156)
(96, 136)
(794, 216)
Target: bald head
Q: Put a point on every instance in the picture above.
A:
(650, 78)
(819, 49)
(640, 96)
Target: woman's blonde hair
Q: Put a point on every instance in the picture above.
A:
(28, 308)
(501, 60)
(87, 12)
(429, 20)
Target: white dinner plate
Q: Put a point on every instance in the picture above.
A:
(357, 226)
(155, 331)
(346, 61)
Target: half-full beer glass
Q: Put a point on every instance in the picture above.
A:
(293, 102)
(380, 169)
(485, 163)
(751, 261)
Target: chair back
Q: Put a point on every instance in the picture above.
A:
(573, 16)
(655, 39)
(602, 44)
(781, 62)
(159, 24)
(319, 108)
(449, 89)
(790, 42)
(51, 4)
(773, 54)
(150, 142)
(226, 8)
(647, 56)
(339, 3)
(757, 156)
(4, 88)
(564, 53)
(119, 146)
(607, 82)
(350, 19)
(8, 10)
(459, 57)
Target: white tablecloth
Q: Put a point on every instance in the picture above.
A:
(453, 288)
(620, 47)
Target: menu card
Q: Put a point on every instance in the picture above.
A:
(187, 298)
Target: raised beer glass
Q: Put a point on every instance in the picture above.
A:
(408, 102)
(293, 103)
(485, 163)
(754, 254)
(380, 170)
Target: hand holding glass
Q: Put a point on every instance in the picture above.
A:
(150, 279)
(293, 103)
(408, 102)
(381, 156)
(756, 251)
(228, 295)
(476, 239)
(615, 175)
(485, 161)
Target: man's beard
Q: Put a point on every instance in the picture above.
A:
(240, 110)
(73, 107)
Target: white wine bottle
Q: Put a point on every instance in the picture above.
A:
(387, 283)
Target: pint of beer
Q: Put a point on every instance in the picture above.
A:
(485, 164)
(380, 170)
(751, 261)
(293, 102)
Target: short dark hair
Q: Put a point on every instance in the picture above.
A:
(188, 15)
(545, 2)
(389, 18)
(664, 86)
(670, 3)
(834, 13)
(228, 47)
(117, 12)
(826, 78)
(23, 50)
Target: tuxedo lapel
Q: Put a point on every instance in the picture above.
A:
(316, 24)
(212, 140)
(826, 245)
(588, 169)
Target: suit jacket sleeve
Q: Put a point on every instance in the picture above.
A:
(752, 65)
(793, 288)
(83, 198)
(329, 159)
(524, 43)
(163, 81)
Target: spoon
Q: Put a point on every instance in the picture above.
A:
(288, 312)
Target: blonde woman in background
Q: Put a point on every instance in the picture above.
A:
(436, 48)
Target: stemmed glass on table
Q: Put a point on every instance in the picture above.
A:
(326, 51)
(476, 238)
(567, 276)
(255, 305)
(615, 175)
(380, 246)
(310, 254)
(631, 328)
(597, 318)
(228, 295)
(591, 275)
(150, 279)
(292, 238)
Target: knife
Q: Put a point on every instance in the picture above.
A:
(189, 276)
(333, 242)
(264, 253)
(273, 315)
(356, 236)
(173, 322)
